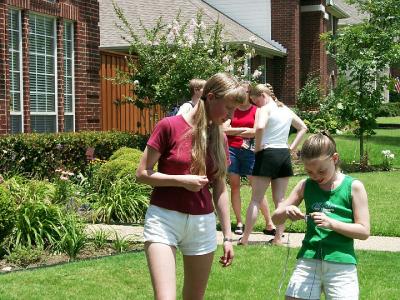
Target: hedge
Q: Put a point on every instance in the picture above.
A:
(39, 155)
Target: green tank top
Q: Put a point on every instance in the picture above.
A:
(325, 244)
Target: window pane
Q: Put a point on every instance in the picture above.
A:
(42, 68)
(43, 123)
(16, 124)
(15, 102)
(68, 123)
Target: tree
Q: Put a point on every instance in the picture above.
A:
(363, 52)
(167, 56)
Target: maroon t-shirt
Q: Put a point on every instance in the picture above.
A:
(241, 118)
(172, 139)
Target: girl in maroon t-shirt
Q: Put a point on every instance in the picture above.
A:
(192, 157)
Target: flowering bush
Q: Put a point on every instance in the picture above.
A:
(387, 162)
(169, 55)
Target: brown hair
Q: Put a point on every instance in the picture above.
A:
(196, 83)
(258, 89)
(317, 145)
(210, 136)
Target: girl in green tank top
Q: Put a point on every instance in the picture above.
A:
(336, 214)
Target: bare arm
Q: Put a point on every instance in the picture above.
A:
(360, 229)
(240, 131)
(145, 174)
(221, 203)
(301, 131)
(259, 126)
(289, 207)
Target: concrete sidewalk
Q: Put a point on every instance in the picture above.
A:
(377, 243)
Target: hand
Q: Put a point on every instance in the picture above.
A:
(194, 183)
(227, 258)
(322, 220)
(293, 153)
(294, 213)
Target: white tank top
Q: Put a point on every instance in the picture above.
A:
(276, 132)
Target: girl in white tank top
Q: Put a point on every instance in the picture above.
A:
(272, 126)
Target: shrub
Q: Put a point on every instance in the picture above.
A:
(40, 155)
(123, 164)
(127, 152)
(109, 172)
(309, 96)
(25, 255)
(7, 213)
(391, 109)
(126, 201)
(72, 237)
(37, 224)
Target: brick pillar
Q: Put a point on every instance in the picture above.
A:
(87, 65)
(285, 28)
(4, 72)
(60, 73)
(314, 59)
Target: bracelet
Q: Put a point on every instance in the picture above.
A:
(227, 240)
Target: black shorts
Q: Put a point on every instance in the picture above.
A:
(273, 162)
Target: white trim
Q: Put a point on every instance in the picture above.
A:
(310, 8)
(71, 24)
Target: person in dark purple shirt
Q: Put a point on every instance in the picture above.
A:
(191, 152)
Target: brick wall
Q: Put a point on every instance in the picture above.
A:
(85, 14)
(312, 56)
(285, 28)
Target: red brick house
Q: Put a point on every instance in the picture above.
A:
(49, 64)
(50, 60)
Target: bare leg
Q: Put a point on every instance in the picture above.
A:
(269, 225)
(197, 269)
(234, 181)
(161, 260)
(279, 187)
(259, 186)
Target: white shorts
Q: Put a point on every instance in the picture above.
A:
(337, 280)
(191, 234)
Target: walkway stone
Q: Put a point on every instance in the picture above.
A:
(135, 233)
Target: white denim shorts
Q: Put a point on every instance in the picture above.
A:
(191, 234)
(312, 276)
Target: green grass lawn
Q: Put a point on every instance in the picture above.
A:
(385, 139)
(383, 195)
(348, 146)
(388, 120)
(255, 274)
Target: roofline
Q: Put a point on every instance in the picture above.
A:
(260, 49)
(335, 10)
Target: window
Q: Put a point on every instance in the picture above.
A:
(69, 100)
(42, 73)
(15, 66)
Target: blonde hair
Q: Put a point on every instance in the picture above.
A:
(210, 137)
(196, 83)
(259, 89)
(318, 145)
